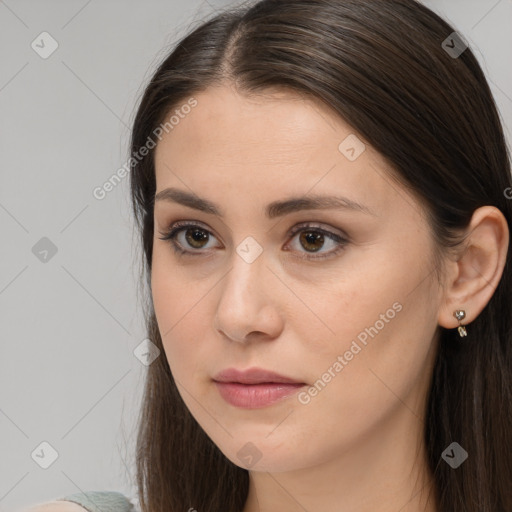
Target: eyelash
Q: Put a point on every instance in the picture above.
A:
(177, 227)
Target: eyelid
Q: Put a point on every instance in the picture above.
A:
(341, 238)
(170, 233)
(316, 225)
(182, 224)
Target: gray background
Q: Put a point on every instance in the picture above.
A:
(69, 326)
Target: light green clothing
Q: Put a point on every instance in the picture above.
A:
(101, 501)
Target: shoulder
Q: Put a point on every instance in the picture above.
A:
(55, 506)
(92, 501)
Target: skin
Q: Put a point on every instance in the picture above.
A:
(357, 445)
(56, 506)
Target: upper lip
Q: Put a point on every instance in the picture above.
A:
(252, 376)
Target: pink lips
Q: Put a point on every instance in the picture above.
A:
(255, 387)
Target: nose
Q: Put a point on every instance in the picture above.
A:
(248, 305)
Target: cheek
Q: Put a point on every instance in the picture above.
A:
(385, 322)
(359, 300)
(386, 377)
(178, 305)
(373, 332)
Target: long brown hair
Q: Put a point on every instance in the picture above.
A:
(382, 66)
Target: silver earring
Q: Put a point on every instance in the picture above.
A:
(460, 314)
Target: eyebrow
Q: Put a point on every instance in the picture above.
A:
(273, 210)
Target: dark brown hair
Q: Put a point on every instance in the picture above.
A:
(380, 65)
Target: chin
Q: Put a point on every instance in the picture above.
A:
(258, 453)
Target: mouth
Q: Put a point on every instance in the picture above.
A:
(254, 388)
(253, 376)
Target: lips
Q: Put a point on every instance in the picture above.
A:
(253, 376)
(254, 388)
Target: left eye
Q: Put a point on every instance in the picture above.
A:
(312, 238)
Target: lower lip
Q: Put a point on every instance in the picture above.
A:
(252, 396)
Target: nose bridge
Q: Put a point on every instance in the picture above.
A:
(243, 298)
(245, 274)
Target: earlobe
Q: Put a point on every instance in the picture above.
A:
(478, 269)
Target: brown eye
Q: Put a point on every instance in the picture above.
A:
(312, 240)
(196, 237)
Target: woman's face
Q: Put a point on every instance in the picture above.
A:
(340, 299)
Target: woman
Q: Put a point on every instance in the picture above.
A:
(322, 192)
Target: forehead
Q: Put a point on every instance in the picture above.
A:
(282, 143)
(273, 121)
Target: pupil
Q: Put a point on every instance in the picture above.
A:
(310, 239)
(197, 236)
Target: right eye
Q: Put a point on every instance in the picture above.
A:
(185, 235)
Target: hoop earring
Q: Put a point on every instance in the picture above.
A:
(460, 314)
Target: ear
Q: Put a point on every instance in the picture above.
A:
(474, 274)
